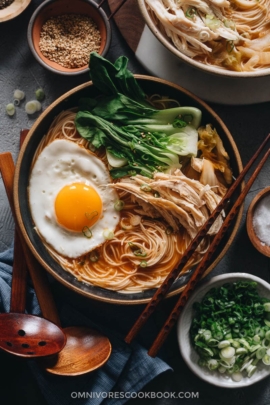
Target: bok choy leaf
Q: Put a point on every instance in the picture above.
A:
(138, 137)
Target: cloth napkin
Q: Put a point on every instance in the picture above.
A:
(127, 371)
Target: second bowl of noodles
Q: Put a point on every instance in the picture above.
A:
(138, 224)
(225, 38)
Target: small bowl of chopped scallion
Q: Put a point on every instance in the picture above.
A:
(224, 330)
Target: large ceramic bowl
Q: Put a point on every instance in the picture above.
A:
(151, 86)
(187, 350)
(166, 41)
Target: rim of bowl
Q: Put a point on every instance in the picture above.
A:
(198, 65)
(76, 71)
(121, 300)
(264, 249)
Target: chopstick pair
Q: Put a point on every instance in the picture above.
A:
(201, 268)
(117, 8)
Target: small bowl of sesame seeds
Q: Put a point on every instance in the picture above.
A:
(62, 34)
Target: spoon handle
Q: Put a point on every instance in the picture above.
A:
(38, 276)
(19, 278)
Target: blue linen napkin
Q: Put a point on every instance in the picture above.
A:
(127, 371)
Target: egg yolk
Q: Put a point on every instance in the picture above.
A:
(78, 207)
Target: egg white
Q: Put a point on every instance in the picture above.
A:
(61, 163)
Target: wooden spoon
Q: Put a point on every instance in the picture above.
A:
(22, 334)
(85, 349)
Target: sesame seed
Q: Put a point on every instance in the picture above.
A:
(69, 39)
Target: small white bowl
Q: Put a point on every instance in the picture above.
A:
(257, 243)
(188, 352)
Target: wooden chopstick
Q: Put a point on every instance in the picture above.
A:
(201, 268)
(102, 2)
(163, 289)
(117, 8)
(37, 274)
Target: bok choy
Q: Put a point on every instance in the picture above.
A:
(138, 137)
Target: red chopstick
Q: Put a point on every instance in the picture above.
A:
(201, 268)
(163, 289)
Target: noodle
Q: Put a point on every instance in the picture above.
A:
(230, 34)
(118, 267)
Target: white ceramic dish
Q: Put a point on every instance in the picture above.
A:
(187, 351)
(151, 53)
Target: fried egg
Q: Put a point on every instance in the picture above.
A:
(71, 206)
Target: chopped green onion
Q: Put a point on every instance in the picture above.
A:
(260, 352)
(140, 253)
(32, 106)
(266, 359)
(94, 256)
(87, 232)
(251, 370)
(191, 11)
(237, 377)
(18, 95)
(229, 46)
(211, 22)
(10, 109)
(40, 95)
(229, 24)
(212, 364)
(108, 234)
(266, 306)
(223, 343)
(156, 194)
(227, 352)
(145, 187)
(119, 205)
(143, 263)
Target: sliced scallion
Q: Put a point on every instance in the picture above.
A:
(119, 205)
(108, 234)
(145, 187)
(87, 232)
(94, 256)
(10, 109)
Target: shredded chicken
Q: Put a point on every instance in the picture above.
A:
(215, 31)
(181, 201)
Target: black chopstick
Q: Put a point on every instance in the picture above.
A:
(201, 268)
(116, 9)
(163, 289)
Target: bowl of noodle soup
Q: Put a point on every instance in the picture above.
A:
(110, 278)
(227, 38)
